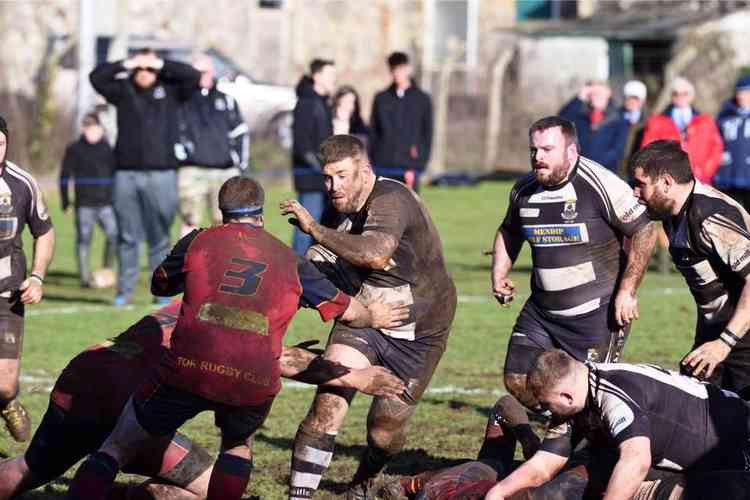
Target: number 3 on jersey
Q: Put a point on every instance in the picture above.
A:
(243, 280)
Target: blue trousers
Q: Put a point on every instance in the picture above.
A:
(314, 202)
(145, 205)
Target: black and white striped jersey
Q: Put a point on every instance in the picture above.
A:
(575, 231)
(710, 245)
(690, 423)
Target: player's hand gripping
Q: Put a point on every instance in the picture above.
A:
(31, 290)
(388, 315)
(504, 290)
(377, 381)
(703, 360)
(626, 307)
(301, 217)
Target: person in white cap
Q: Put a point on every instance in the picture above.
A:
(634, 112)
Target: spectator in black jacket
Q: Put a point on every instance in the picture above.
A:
(146, 91)
(401, 126)
(313, 123)
(214, 146)
(90, 163)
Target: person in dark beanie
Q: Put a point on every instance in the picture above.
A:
(401, 126)
(90, 163)
(313, 123)
(21, 203)
(146, 90)
(733, 177)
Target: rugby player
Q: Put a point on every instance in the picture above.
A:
(633, 417)
(385, 244)
(575, 214)
(709, 240)
(241, 289)
(92, 390)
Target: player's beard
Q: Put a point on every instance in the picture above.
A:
(555, 175)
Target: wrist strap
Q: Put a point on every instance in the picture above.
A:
(729, 338)
(37, 277)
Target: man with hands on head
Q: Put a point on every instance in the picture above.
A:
(709, 241)
(575, 214)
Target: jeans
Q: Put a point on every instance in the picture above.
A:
(86, 219)
(145, 205)
(314, 202)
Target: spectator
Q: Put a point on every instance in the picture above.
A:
(214, 146)
(696, 131)
(734, 124)
(313, 123)
(21, 203)
(90, 163)
(145, 188)
(347, 117)
(401, 126)
(633, 110)
(602, 131)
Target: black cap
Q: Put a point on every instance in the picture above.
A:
(4, 126)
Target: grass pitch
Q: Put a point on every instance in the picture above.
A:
(450, 419)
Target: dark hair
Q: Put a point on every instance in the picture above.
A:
(339, 147)
(317, 65)
(548, 369)
(397, 59)
(356, 123)
(240, 192)
(663, 157)
(90, 119)
(144, 51)
(567, 127)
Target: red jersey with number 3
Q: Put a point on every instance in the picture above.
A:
(241, 287)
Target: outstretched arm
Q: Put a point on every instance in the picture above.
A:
(630, 470)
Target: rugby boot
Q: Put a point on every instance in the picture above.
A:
(362, 491)
(17, 421)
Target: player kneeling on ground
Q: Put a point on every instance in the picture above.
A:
(241, 289)
(634, 417)
(82, 414)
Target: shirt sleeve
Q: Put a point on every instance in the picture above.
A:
(319, 293)
(39, 221)
(623, 212)
(389, 213)
(726, 235)
(169, 278)
(623, 418)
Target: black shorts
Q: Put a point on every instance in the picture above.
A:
(413, 361)
(162, 409)
(732, 374)
(11, 326)
(62, 439)
(594, 336)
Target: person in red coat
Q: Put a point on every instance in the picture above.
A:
(696, 131)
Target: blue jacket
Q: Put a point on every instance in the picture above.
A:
(606, 143)
(734, 172)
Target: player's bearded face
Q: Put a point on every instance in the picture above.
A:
(650, 192)
(550, 157)
(345, 185)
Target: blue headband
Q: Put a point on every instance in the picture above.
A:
(248, 211)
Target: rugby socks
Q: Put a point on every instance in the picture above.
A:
(94, 478)
(229, 478)
(312, 455)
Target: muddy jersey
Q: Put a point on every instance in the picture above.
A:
(690, 423)
(21, 203)
(416, 273)
(242, 286)
(710, 245)
(575, 231)
(97, 383)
